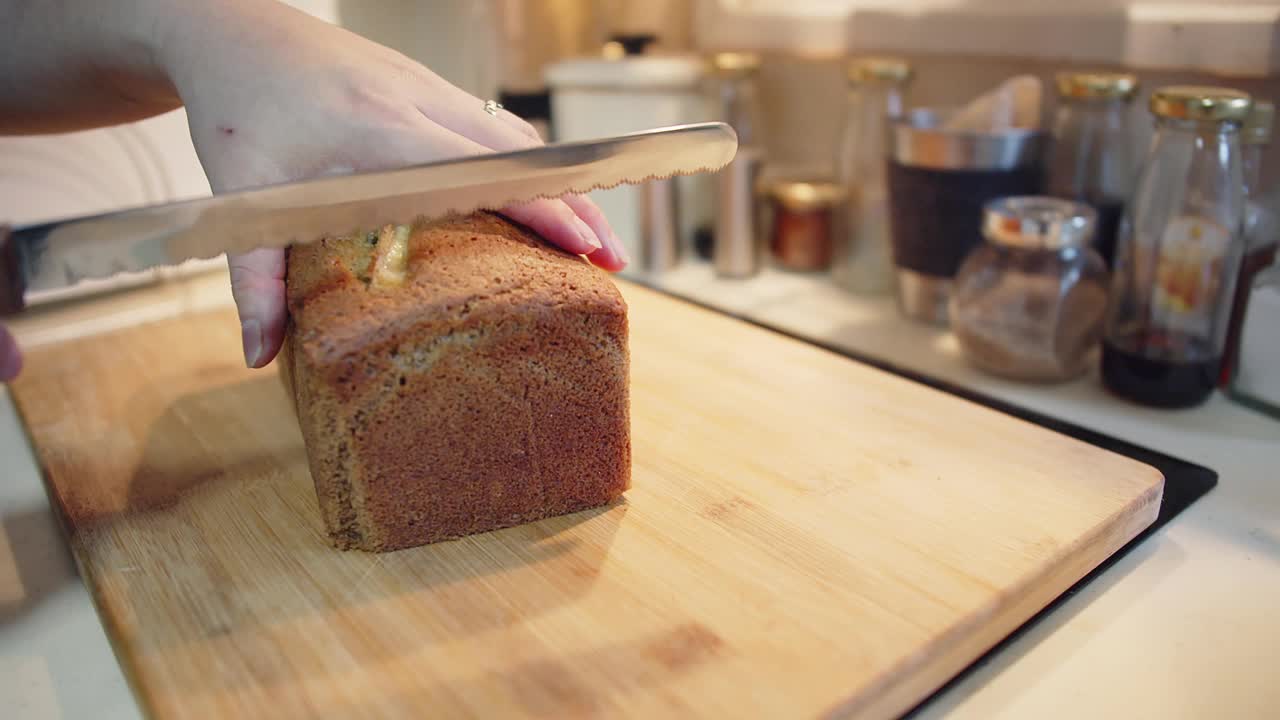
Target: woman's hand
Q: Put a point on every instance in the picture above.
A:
(274, 95)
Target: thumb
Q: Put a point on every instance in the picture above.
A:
(257, 284)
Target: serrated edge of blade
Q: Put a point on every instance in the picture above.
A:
(461, 210)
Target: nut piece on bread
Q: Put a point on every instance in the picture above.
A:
(455, 377)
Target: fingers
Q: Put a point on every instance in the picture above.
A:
(257, 284)
(557, 224)
(574, 223)
(10, 358)
(463, 113)
(613, 256)
(555, 220)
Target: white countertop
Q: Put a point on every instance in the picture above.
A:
(1182, 627)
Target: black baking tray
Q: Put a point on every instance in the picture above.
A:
(1184, 482)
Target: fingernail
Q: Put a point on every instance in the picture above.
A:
(584, 232)
(251, 337)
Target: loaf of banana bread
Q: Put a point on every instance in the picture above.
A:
(454, 377)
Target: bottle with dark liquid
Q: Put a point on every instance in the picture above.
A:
(1178, 255)
(1091, 160)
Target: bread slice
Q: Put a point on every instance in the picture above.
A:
(454, 378)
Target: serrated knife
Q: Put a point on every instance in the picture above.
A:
(64, 253)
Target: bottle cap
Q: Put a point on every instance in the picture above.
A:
(1035, 221)
(735, 63)
(1096, 85)
(878, 69)
(805, 195)
(1191, 102)
(1257, 127)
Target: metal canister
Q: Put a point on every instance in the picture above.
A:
(738, 251)
(659, 233)
(737, 248)
(939, 181)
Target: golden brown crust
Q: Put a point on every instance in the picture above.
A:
(487, 390)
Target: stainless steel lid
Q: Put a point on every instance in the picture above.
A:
(918, 140)
(1035, 221)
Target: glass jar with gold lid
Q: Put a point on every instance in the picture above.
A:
(1179, 251)
(1092, 161)
(863, 261)
(802, 220)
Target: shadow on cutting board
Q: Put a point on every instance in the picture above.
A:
(38, 565)
(221, 552)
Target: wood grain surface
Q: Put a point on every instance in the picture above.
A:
(806, 536)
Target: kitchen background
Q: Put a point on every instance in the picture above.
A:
(1173, 611)
(958, 49)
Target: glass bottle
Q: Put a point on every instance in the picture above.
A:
(1260, 231)
(737, 247)
(863, 261)
(1028, 303)
(1091, 160)
(1179, 252)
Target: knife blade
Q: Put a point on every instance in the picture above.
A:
(64, 253)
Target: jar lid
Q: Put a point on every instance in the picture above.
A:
(804, 195)
(1096, 85)
(878, 69)
(1192, 102)
(1257, 127)
(1035, 221)
(735, 63)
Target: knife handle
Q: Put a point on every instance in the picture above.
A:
(11, 284)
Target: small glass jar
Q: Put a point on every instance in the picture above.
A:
(1179, 252)
(736, 244)
(863, 261)
(803, 220)
(1028, 303)
(1091, 160)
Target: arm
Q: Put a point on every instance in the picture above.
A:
(272, 95)
(68, 64)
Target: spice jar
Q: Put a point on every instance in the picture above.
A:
(803, 223)
(1091, 160)
(1179, 252)
(1029, 302)
(863, 260)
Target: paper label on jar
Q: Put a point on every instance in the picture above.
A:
(1189, 273)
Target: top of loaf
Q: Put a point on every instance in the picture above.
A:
(458, 272)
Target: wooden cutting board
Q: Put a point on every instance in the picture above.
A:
(806, 536)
